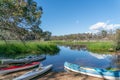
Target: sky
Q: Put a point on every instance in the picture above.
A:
(62, 17)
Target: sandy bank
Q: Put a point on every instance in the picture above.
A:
(52, 76)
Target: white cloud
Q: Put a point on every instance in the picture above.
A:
(99, 25)
(104, 26)
(88, 32)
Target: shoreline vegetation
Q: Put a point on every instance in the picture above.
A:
(93, 46)
(51, 48)
(15, 48)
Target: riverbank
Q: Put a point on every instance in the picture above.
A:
(17, 48)
(66, 76)
(93, 46)
(52, 76)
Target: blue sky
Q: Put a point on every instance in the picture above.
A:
(63, 17)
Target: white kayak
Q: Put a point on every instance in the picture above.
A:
(31, 74)
(23, 60)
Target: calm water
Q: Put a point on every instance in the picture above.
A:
(82, 57)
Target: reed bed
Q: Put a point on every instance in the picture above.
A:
(37, 47)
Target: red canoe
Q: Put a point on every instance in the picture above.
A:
(17, 68)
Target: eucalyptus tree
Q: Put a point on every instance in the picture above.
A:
(104, 33)
(47, 35)
(10, 15)
(117, 39)
(20, 17)
(33, 15)
(117, 48)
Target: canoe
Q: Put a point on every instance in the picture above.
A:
(23, 60)
(17, 68)
(3, 65)
(31, 74)
(95, 72)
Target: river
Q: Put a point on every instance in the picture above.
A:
(81, 57)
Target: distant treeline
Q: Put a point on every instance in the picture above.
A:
(102, 35)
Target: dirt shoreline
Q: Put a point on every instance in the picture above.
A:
(51, 76)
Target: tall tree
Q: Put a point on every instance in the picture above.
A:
(19, 17)
(10, 16)
(117, 39)
(104, 33)
(47, 35)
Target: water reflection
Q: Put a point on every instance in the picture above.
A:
(21, 55)
(116, 60)
(81, 57)
(76, 47)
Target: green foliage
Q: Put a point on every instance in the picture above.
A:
(104, 33)
(117, 40)
(99, 47)
(17, 48)
(112, 69)
(21, 18)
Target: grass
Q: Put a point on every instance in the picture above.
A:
(99, 47)
(34, 47)
(16, 48)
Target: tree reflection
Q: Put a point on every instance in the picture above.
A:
(116, 60)
(12, 55)
(76, 47)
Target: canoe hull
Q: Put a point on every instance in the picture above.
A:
(2, 72)
(24, 60)
(94, 75)
(33, 73)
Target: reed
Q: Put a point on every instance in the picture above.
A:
(97, 46)
(34, 47)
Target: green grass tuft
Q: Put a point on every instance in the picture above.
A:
(35, 47)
